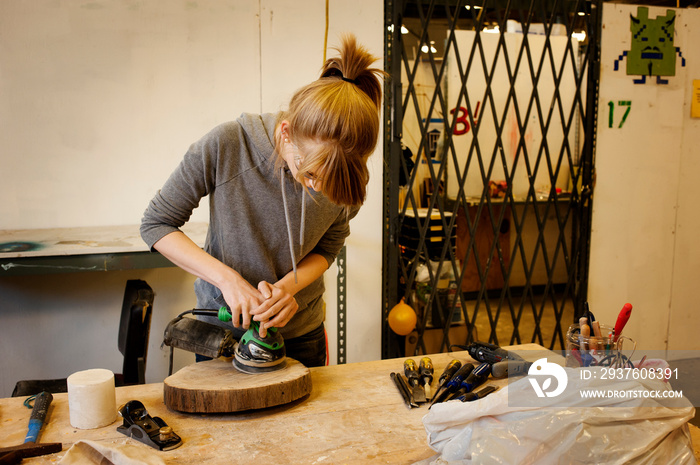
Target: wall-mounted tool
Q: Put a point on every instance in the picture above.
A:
(152, 431)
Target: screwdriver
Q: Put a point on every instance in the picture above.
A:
(426, 374)
(446, 375)
(454, 383)
(476, 378)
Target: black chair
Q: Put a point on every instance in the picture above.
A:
(134, 329)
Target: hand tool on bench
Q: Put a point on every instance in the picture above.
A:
(446, 376)
(403, 389)
(476, 378)
(152, 431)
(453, 384)
(426, 375)
(12, 455)
(480, 394)
(622, 319)
(410, 369)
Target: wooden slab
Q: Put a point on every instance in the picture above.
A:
(216, 386)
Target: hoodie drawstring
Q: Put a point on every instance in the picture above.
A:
(289, 228)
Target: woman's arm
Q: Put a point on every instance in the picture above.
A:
(241, 297)
(280, 305)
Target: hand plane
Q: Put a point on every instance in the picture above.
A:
(152, 431)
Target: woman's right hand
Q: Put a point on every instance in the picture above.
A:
(239, 295)
(241, 298)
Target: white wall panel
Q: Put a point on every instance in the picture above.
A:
(643, 247)
(98, 103)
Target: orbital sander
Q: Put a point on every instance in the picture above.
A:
(251, 354)
(254, 354)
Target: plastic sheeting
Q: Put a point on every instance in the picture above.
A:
(567, 429)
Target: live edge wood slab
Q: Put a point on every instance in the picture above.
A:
(216, 386)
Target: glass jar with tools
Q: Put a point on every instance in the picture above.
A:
(589, 348)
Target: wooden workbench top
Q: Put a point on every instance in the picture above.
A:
(24, 243)
(353, 415)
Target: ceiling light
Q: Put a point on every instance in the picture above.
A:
(425, 49)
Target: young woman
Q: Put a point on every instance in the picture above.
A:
(282, 190)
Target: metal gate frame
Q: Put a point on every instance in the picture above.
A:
(399, 272)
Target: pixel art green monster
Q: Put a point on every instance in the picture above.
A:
(653, 52)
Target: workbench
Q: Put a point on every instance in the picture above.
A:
(353, 415)
(71, 250)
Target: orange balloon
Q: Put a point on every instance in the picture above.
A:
(402, 318)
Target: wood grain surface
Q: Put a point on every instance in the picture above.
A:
(216, 386)
(354, 415)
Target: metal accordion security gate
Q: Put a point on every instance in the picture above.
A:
(490, 115)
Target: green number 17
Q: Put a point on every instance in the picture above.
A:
(622, 103)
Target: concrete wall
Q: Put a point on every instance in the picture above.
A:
(98, 103)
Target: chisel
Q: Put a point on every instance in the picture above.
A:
(426, 375)
(480, 394)
(403, 390)
(410, 369)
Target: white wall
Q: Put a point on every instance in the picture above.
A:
(644, 247)
(491, 108)
(98, 103)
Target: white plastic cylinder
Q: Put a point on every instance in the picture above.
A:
(92, 401)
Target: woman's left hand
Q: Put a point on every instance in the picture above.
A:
(276, 310)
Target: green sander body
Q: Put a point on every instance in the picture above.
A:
(251, 354)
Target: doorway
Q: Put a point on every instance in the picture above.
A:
(489, 146)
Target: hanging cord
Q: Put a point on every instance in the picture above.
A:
(325, 35)
(303, 218)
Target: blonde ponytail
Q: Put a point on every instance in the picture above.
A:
(334, 121)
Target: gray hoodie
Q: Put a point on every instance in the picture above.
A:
(235, 166)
